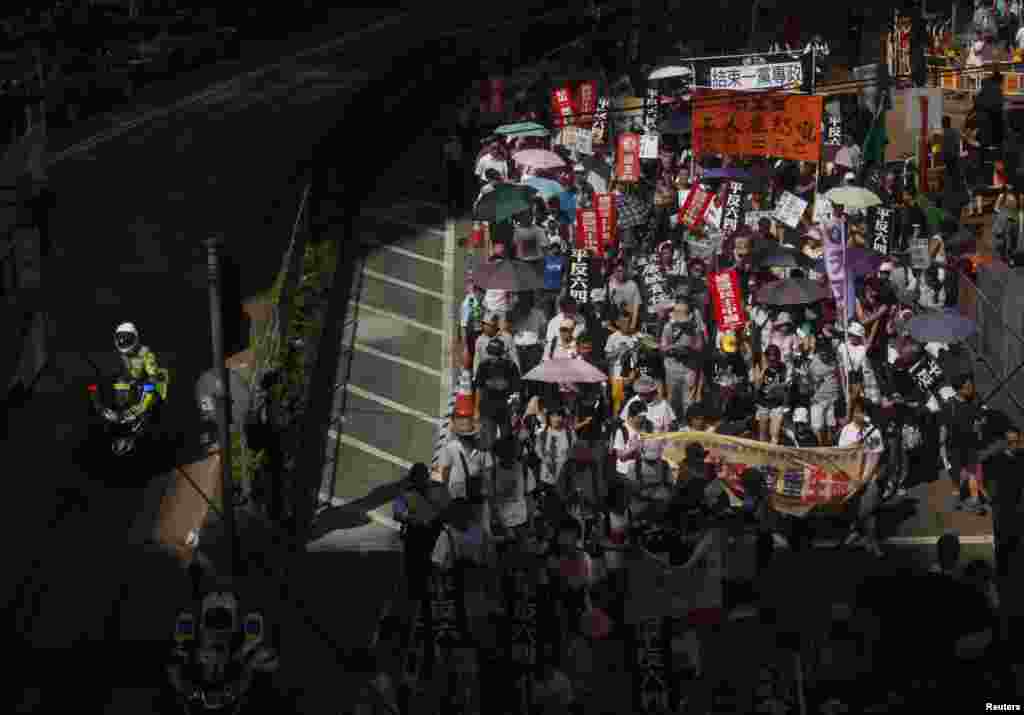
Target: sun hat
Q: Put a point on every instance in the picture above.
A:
(856, 329)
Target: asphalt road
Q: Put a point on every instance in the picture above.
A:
(137, 195)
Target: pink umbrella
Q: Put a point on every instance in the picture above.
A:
(538, 159)
(559, 370)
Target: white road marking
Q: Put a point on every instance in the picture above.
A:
(447, 313)
(400, 319)
(371, 450)
(391, 404)
(363, 348)
(419, 202)
(218, 88)
(403, 284)
(400, 251)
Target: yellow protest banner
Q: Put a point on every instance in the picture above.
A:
(797, 479)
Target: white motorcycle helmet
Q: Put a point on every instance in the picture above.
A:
(126, 337)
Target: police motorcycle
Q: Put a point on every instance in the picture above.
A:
(119, 420)
(217, 655)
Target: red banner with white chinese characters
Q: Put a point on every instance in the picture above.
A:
(728, 300)
(694, 207)
(497, 95)
(627, 158)
(607, 218)
(586, 102)
(586, 231)
(562, 105)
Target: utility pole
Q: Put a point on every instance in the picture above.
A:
(223, 402)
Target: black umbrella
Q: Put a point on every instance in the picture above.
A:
(782, 257)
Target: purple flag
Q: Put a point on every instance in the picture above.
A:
(835, 268)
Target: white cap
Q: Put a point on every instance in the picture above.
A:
(126, 328)
(800, 414)
(856, 329)
(783, 318)
(849, 177)
(886, 267)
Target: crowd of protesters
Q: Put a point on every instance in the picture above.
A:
(558, 472)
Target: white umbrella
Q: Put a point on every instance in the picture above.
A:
(853, 197)
(670, 71)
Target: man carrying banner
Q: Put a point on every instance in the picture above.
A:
(860, 431)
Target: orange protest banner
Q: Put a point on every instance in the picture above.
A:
(781, 126)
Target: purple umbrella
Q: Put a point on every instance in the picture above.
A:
(859, 261)
(509, 275)
(740, 174)
(793, 291)
(562, 370)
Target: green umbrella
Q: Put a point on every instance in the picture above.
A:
(932, 213)
(504, 202)
(876, 141)
(522, 129)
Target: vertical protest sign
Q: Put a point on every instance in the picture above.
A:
(881, 229)
(580, 276)
(652, 667)
(727, 298)
(790, 209)
(627, 158)
(920, 258)
(586, 103)
(822, 209)
(599, 131)
(652, 108)
(563, 111)
(716, 209)
(732, 217)
(833, 136)
(649, 145)
(694, 206)
(607, 221)
(586, 230)
(655, 288)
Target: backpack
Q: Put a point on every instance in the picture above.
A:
(551, 348)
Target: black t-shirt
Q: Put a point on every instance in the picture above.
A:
(591, 403)
(770, 396)
(496, 380)
(650, 364)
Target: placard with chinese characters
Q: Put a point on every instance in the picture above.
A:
(752, 217)
(822, 209)
(764, 76)
(732, 216)
(882, 227)
(627, 165)
(600, 128)
(586, 103)
(833, 140)
(727, 298)
(562, 106)
(693, 205)
(713, 216)
(607, 219)
(920, 259)
(586, 229)
(649, 146)
(579, 275)
(790, 209)
(786, 127)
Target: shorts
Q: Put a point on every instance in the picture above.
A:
(764, 413)
(823, 414)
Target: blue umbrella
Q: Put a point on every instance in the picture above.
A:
(676, 124)
(546, 187)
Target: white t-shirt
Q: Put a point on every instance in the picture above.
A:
(555, 323)
(873, 449)
(660, 413)
(497, 301)
(626, 467)
(489, 161)
(615, 348)
(552, 446)
(479, 463)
